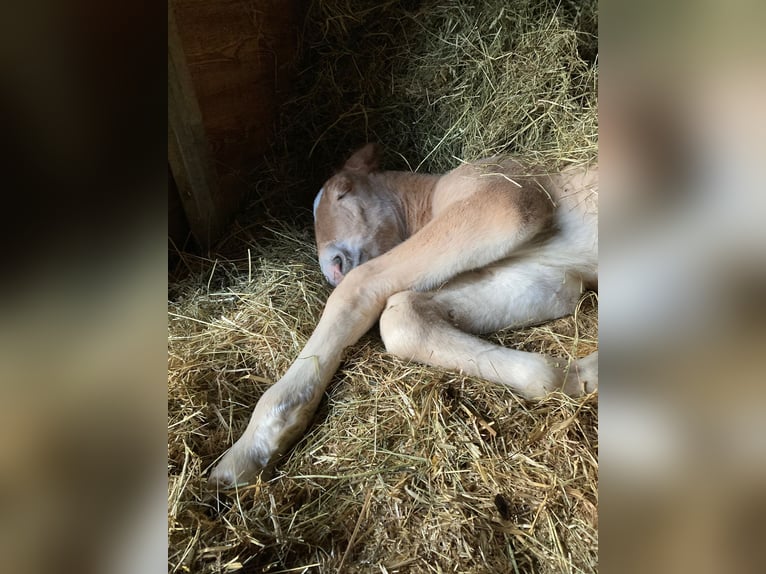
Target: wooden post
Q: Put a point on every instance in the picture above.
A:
(188, 151)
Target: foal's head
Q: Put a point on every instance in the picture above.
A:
(354, 217)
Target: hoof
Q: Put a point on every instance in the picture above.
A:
(582, 378)
(237, 468)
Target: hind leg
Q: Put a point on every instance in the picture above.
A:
(437, 328)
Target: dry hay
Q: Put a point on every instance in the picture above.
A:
(405, 468)
(437, 82)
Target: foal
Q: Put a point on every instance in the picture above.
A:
(438, 259)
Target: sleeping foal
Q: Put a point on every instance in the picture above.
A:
(438, 259)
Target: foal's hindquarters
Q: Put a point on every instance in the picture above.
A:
(539, 283)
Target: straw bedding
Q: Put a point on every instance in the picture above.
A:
(405, 468)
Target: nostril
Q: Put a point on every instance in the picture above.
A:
(338, 261)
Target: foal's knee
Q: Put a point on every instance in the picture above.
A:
(403, 325)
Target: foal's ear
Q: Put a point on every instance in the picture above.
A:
(365, 160)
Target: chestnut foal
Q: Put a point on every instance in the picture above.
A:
(438, 259)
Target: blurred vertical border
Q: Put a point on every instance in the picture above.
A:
(682, 128)
(83, 295)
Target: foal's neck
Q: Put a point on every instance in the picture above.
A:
(412, 194)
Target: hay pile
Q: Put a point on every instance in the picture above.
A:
(436, 82)
(406, 468)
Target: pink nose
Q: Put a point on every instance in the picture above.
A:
(337, 274)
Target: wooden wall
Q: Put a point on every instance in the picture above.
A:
(239, 55)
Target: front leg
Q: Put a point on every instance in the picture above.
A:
(280, 417)
(286, 408)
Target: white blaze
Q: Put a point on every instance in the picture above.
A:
(316, 202)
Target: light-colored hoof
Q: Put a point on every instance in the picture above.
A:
(237, 468)
(582, 378)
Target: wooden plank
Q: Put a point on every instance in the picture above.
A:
(188, 151)
(240, 55)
